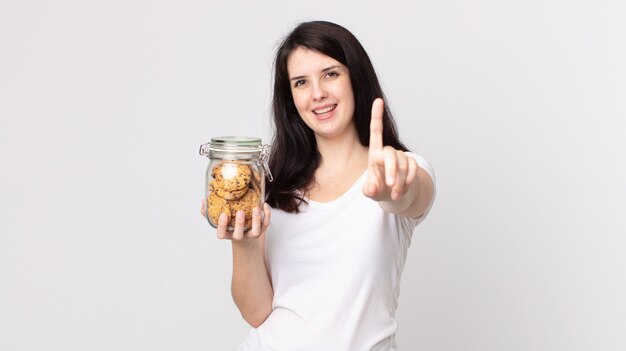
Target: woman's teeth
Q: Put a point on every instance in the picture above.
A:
(324, 110)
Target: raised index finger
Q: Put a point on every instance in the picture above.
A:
(376, 125)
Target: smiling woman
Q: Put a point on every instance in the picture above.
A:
(345, 199)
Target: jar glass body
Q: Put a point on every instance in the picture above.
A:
(234, 179)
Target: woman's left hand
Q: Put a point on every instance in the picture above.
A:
(390, 172)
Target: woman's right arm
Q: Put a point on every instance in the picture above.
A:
(251, 285)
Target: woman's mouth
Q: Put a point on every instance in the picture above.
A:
(324, 110)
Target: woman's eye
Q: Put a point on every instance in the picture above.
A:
(299, 83)
(332, 74)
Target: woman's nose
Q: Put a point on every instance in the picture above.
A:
(319, 92)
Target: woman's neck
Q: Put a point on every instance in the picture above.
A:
(342, 153)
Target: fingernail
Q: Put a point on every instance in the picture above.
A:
(390, 180)
(240, 215)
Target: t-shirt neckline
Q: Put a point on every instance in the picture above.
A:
(335, 202)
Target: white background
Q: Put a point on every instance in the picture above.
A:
(519, 105)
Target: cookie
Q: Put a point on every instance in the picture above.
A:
(255, 187)
(218, 188)
(217, 206)
(256, 176)
(232, 176)
(249, 201)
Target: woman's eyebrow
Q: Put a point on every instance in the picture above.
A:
(323, 71)
(331, 68)
(297, 78)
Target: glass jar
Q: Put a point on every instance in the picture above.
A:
(235, 177)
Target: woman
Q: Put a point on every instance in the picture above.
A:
(344, 201)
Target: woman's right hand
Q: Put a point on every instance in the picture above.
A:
(260, 223)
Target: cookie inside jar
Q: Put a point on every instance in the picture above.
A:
(234, 186)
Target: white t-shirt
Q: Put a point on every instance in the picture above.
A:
(335, 269)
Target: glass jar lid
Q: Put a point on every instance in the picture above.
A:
(236, 143)
(238, 148)
(231, 147)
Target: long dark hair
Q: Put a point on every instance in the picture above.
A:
(294, 156)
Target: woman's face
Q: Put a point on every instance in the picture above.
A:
(322, 92)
